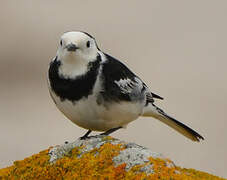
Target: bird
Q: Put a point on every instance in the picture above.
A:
(100, 93)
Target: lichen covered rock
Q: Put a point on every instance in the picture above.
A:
(99, 157)
(130, 154)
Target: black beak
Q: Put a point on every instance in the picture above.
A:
(71, 47)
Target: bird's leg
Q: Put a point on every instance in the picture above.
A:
(86, 135)
(108, 132)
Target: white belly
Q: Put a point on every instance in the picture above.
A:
(89, 115)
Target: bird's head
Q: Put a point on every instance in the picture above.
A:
(76, 45)
(76, 49)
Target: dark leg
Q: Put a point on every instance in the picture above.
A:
(110, 131)
(86, 135)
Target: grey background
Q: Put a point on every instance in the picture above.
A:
(177, 47)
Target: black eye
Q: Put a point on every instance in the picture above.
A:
(88, 44)
(61, 42)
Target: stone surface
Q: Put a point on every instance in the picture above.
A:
(132, 154)
(99, 157)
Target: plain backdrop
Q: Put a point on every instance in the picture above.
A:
(177, 47)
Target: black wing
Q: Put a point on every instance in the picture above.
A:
(121, 84)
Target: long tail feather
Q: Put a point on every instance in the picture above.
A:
(159, 114)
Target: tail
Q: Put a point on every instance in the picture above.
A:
(156, 112)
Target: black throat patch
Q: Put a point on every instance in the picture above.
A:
(73, 89)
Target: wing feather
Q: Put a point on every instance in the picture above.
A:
(120, 83)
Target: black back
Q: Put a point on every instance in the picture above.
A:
(114, 70)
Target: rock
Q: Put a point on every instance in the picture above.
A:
(99, 157)
(131, 154)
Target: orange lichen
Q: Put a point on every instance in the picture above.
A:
(96, 164)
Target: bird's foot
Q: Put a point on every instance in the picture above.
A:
(86, 135)
(110, 131)
(83, 137)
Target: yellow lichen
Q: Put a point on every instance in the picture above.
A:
(96, 164)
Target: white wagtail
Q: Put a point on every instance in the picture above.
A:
(98, 92)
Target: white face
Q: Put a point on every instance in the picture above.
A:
(77, 46)
(75, 51)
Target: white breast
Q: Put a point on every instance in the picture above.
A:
(88, 114)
